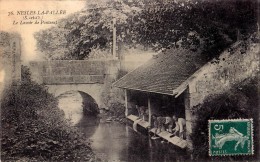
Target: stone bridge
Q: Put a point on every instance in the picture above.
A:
(88, 76)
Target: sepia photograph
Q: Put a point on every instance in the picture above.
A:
(129, 80)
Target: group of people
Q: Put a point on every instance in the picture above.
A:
(168, 122)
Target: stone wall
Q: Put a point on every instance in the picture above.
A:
(93, 77)
(232, 67)
(10, 59)
(73, 71)
(94, 90)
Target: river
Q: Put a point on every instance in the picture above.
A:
(115, 141)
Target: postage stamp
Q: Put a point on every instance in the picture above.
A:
(231, 137)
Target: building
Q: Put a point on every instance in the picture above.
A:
(175, 81)
(157, 84)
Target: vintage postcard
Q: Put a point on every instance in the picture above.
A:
(129, 80)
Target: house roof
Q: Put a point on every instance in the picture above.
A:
(163, 73)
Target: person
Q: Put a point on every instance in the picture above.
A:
(160, 122)
(180, 124)
(141, 111)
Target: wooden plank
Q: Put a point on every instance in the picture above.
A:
(126, 103)
(143, 123)
(152, 130)
(177, 141)
(166, 135)
(132, 117)
(183, 144)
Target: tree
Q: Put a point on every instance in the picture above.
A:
(208, 26)
(52, 42)
(86, 30)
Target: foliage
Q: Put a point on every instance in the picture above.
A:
(240, 102)
(117, 109)
(209, 26)
(88, 29)
(52, 42)
(34, 127)
(113, 97)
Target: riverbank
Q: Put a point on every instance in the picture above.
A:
(114, 113)
(35, 129)
(109, 117)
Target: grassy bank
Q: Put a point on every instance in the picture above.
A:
(241, 101)
(34, 128)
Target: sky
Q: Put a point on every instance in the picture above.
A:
(26, 30)
(10, 10)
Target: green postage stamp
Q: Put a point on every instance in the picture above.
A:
(231, 137)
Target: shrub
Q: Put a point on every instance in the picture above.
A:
(34, 127)
(240, 102)
(117, 109)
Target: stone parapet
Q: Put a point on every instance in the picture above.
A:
(73, 71)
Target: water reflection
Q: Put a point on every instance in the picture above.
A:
(71, 103)
(142, 148)
(88, 125)
(117, 142)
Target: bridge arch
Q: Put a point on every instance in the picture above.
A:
(93, 90)
(88, 76)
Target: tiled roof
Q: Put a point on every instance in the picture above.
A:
(163, 73)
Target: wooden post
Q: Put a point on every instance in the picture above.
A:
(114, 39)
(126, 103)
(15, 47)
(189, 117)
(149, 110)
